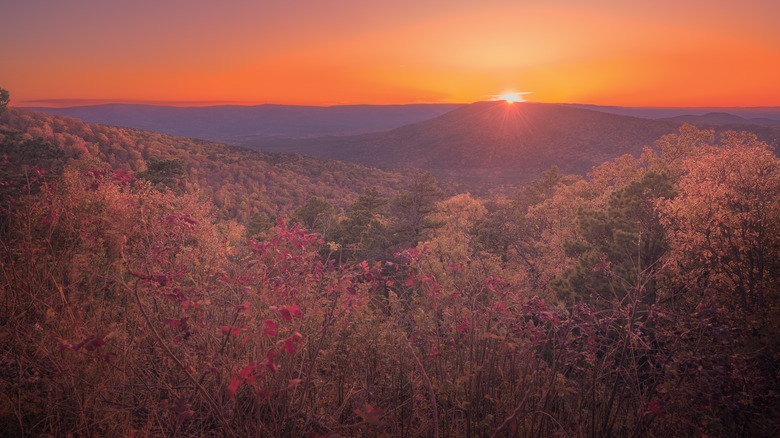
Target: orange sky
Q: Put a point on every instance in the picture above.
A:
(608, 52)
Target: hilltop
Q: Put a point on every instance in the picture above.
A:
(491, 143)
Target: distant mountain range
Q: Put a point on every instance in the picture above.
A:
(489, 143)
(771, 114)
(248, 125)
(722, 118)
(482, 145)
(236, 124)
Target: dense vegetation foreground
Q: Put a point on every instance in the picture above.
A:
(642, 301)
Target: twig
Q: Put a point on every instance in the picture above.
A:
(431, 394)
(202, 390)
(511, 418)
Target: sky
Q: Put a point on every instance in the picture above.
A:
(329, 52)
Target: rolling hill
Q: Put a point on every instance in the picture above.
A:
(723, 118)
(236, 124)
(480, 146)
(770, 113)
(488, 143)
(240, 181)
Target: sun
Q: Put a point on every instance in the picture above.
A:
(510, 97)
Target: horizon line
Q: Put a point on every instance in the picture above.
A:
(67, 103)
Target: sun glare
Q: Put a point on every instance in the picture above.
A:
(510, 97)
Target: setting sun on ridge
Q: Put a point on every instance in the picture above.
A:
(510, 97)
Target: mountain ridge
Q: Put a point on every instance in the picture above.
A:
(238, 124)
(494, 142)
(718, 117)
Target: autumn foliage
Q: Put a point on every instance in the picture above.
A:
(642, 301)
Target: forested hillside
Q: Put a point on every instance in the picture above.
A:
(240, 182)
(643, 300)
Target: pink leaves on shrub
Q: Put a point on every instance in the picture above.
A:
(242, 308)
(97, 178)
(657, 407)
(270, 328)
(181, 218)
(162, 278)
(244, 376)
(251, 373)
(122, 176)
(290, 343)
(176, 322)
(288, 312)
(235, 331)
(90, 343)
(370, 414)
(182, 409)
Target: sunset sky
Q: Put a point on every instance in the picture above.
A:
(608, 52)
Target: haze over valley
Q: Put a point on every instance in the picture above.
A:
(478, 147)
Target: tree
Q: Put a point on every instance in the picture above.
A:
(258, 226)
(411, 210)
(625, 241)
(317, 215)
(5, 98)
(363, 234)
(725, 226)
(163, 172)
(514, 229)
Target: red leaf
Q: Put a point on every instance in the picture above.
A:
(247, 371)
(657, 407)
(289, 346)
(235, 331)
(242, 308)
(233, 387)
(290, 311)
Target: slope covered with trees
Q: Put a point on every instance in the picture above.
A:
(641, 301)
(241, 182)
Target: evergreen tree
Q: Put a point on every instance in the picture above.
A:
(620, 246)
(164, 172)
(363, 234)
(411, 210)
(317, 215)
(5, 98)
